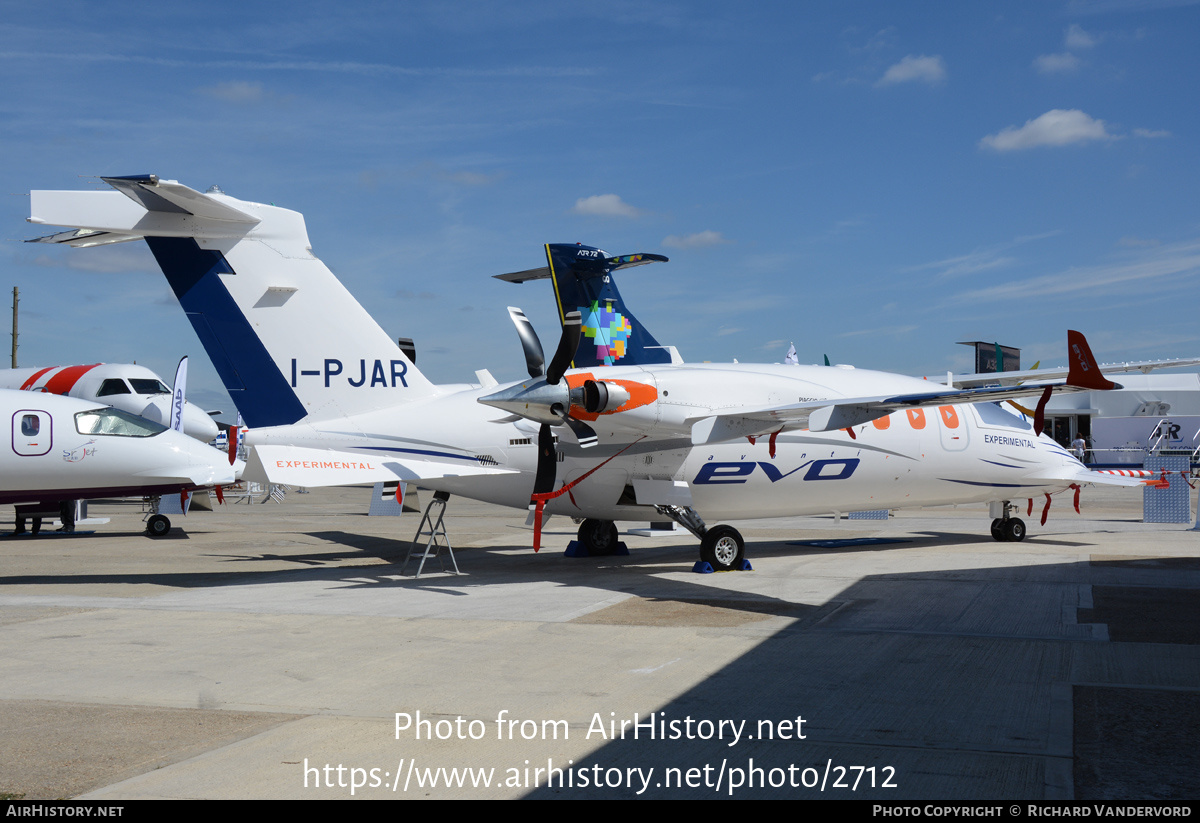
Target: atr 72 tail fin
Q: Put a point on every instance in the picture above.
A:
(583, 282)
(287, 339)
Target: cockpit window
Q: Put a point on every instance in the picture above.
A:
(993, 414)
(115, 422)
(146, 385)
(112, 386)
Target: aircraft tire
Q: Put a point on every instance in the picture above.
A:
(998, 530)
(1014, 529)
(599, 537)
(723, 548)
(158, 525)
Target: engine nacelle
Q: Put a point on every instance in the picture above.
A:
(599, 396)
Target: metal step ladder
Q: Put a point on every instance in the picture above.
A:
(434, 528)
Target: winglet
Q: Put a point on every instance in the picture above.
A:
(1084, 371)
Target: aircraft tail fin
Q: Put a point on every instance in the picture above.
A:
(583, 282)
(1084, 371)
(286, 337)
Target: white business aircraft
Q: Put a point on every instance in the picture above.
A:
(332, 400)
(63, 448)
(124, 386)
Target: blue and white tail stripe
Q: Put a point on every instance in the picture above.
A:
(287, 339)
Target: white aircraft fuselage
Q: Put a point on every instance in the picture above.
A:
(62, 448)
(947, 454)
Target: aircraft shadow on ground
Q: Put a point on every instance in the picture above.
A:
(481, 566)
(945, 684)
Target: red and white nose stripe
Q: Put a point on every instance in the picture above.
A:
(58, 379)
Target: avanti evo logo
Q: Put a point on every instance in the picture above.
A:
(379, 377)
(725, 473)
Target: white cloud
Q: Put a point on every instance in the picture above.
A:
(921, 69)
(1131, 242)
(235, 91)
(882, 39)
(1057, 127)
(473, 178)
(882, 331)
(604, 205)
(1077, 38)
(1056, 63)
(1151, 133)
(1157, 264)
(973, 263)
(694, 241)
(982, 259)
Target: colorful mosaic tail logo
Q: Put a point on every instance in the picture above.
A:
(607, 329)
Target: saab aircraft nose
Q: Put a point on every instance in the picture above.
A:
(199, 424)
(196, 422)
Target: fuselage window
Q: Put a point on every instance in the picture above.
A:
(32, 433)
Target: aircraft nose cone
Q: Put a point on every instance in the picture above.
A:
(535, 401)
(196, 423)
(199, 424)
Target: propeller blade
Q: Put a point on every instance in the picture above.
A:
(535, 358)
(567, 345)
(543, 481)
(547, 465)
(584, 433)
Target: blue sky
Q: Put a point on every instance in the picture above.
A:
(871, 180)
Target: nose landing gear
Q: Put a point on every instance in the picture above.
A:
(721, 547)
(1007, 529)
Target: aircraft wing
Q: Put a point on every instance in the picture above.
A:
(1091, 477)
(1123, 477)
(312, 468)
(1009, 378)
(841, 413)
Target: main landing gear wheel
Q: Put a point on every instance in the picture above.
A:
(599, 537)
(158, 525)
(723, 548)
(1014, 530)
(1011, 530)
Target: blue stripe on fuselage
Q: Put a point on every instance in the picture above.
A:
(254, 382)
(468, 457)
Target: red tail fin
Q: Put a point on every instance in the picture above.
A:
(1084, 370)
